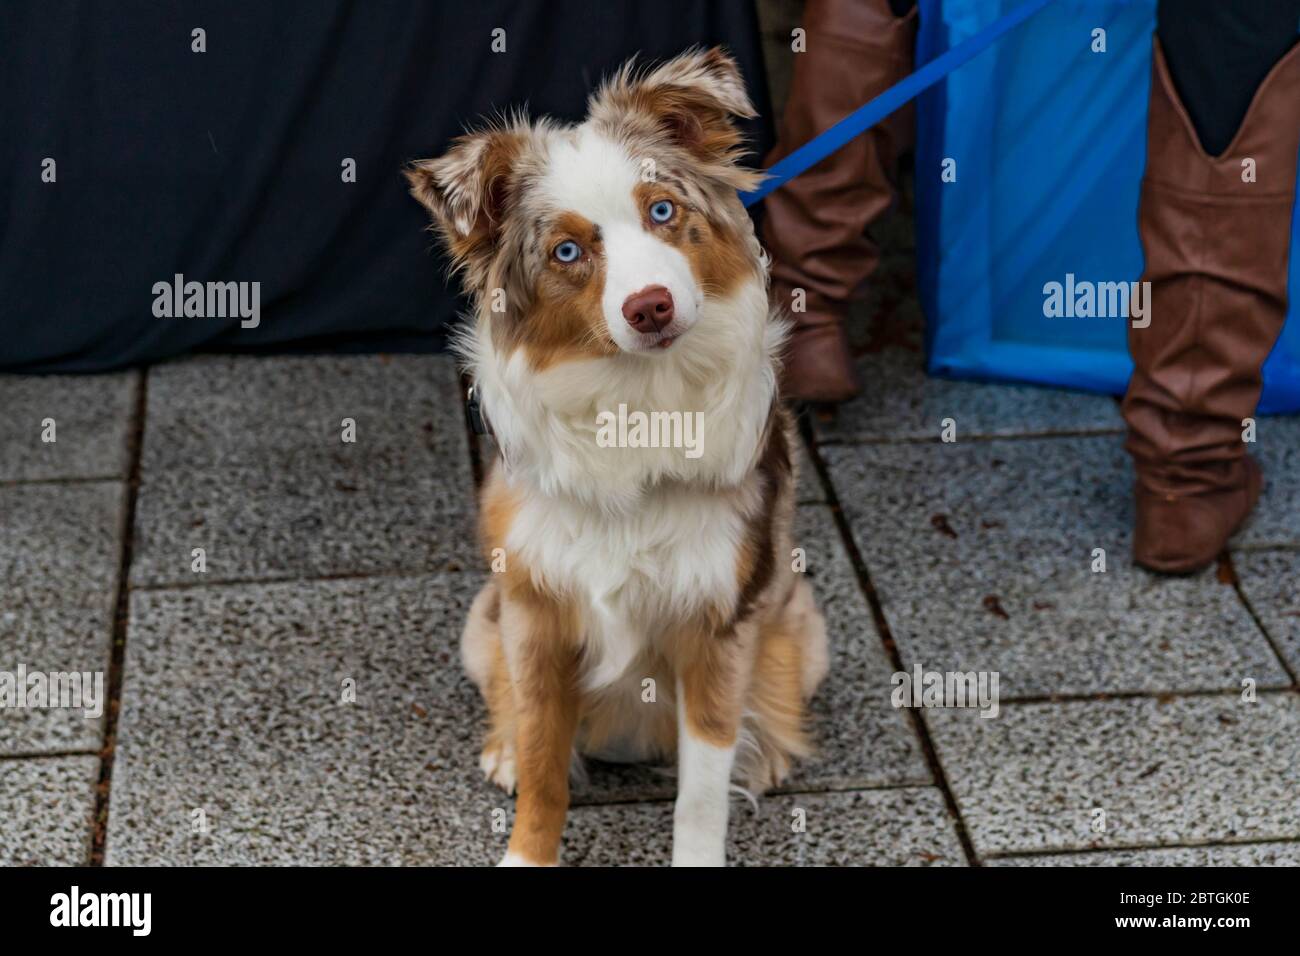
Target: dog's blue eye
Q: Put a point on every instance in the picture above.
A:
(661, 211)
(567, 251)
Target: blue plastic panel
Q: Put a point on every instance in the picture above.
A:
(1049, 140)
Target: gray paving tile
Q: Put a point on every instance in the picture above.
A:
(262, 524)
(59, 558)
(862, 741)
(1164, 771)
(1242, 854)
(75, 638)
(899, 401)
(982, 553)
(46, 809)
(896, 827)
(220, 410)
(233, 706)
(92, 418)
(1269, 579)
(229, 707)
(61, 539)
(809, 489)
(1276, 522)
(244, 458)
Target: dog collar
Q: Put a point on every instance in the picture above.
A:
(474, 409)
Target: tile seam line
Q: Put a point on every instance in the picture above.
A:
(1139, 847)
(1273, 643)
(410, 572)
(63, 480)
(1102, 697)
(867, 589)
(48, 754)
(175, 587)
(855, 442)
(122, 607)
(768, 795)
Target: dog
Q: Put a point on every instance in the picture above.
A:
(645, 603)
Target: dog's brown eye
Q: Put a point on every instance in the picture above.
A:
(567, 251)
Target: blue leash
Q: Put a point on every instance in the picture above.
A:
(823, 144)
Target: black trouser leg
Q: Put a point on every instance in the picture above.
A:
(1218, 51)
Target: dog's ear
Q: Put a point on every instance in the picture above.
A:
(467, 192)
(692, 100)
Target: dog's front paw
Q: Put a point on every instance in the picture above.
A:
(498, 764)
(514, 859)
(699, 833)
(686, 853)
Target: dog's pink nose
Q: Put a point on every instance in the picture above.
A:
(650, 309)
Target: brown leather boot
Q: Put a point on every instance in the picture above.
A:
(813, 226)
(1216, 241)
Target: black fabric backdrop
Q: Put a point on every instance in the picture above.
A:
(226, 165)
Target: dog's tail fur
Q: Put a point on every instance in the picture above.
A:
(792, 660)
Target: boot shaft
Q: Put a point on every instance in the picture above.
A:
(1216, 235)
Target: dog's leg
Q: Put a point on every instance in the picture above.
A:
(543, 661)
(710, 697)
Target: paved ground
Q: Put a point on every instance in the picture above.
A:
(332, 565)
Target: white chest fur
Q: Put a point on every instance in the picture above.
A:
(633, 574)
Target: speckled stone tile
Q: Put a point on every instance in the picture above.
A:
(1240, 855)
(1276, 521)
(61, 539)
(1271, 582)
(92, 418)
(245, 459)
(1164, 771)
(265, 524)
(236, 744)
(895, 827)
(230, 707)
(982, 554)
(219, 411)
(809, 490)
(899, 401)
(861, 739)
(46, 809)
(59, 558)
